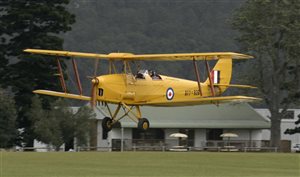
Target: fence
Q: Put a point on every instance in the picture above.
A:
(181, 145)
(174, 145)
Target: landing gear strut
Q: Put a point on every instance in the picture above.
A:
(142, 123)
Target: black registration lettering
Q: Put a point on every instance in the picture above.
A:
(100, 93)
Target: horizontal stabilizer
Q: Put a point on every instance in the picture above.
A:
(236, 85)
(204, 100)
(62, 94)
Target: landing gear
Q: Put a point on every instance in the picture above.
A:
(107, 124)
(143, 124)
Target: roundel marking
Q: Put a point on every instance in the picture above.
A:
(170, 93)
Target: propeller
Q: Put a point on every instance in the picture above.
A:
(95, 83)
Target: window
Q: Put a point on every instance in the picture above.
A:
(191, 136)
(214, 134)
(104, 135)
(289, 115)
(153, 133)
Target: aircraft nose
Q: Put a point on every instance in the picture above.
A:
(100, 81)
(95, 81)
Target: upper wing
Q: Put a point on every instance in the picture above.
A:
(190, 56)
(206, 100)
(65, 53)
(152, 57)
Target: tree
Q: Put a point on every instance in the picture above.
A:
(60, 124)
(44, 124)
(295, 130)
(30, 24)
(166, 26)
(8, 129)
(270, 30)
(83, 125)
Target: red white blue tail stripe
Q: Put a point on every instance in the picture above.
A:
(215, 76)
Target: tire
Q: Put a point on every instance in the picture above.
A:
(107, 124)
(143, 124)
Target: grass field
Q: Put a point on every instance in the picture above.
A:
(167, 164)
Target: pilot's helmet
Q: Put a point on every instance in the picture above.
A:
(150, 72)
(141, 71)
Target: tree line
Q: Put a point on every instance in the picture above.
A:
(268, 30)
(34, 24)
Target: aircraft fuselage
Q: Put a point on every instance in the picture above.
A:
(132, 90)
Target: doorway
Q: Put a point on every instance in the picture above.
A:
(214, 134)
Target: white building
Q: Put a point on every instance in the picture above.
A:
(287, 122)
(204, 124)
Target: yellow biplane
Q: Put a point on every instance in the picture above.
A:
(147, 88)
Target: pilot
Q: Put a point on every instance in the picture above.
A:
(154, 76)
(140, 74)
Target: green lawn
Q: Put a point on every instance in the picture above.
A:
(167, 164)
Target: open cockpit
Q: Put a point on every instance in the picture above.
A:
(141, 74)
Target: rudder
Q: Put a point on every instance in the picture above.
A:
(221, 75)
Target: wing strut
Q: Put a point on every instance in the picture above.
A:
(77, 76)
(197, 75)
(96, 67)
(111, 67)
(210, 80)
(61, 76)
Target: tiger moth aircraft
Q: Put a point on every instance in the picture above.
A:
(147, 88)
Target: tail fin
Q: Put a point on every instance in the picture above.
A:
(221, 75)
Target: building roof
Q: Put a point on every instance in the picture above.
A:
(203, 116)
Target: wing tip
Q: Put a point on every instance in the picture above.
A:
(27, 50)
(241, 56)
(248, 98)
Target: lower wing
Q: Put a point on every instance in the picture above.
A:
(205, 100)
(62, 94)
(186, 102)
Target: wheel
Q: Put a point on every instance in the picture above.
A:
(107, 124)
(143, 124)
